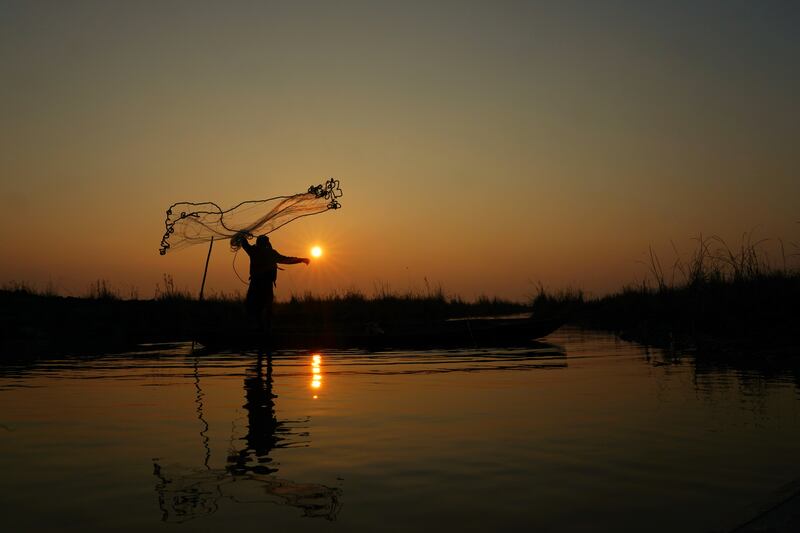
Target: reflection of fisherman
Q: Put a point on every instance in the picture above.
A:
(264, 261)
(194, 492)
(264, 431)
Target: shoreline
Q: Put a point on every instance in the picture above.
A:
(35, 324)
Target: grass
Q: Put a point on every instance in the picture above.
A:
(355, 307)
(564, 303)
(719, 294)
(31, 319)
(352, 304)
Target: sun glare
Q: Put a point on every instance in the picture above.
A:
(316, 372)
(316, 251)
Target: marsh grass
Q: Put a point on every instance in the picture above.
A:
(749, 291)
(30, 317)
(563, 303)
(23, 288)
(354, 306)
(169, 292)
(101, 290)
(715, 261)
(719, 291)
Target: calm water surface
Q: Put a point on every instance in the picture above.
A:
(583, 433)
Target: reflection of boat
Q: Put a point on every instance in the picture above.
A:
(485, 332)
(248, 476)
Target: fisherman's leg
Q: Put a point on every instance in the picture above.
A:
(258, 320)
(253, 309)
(268, 311)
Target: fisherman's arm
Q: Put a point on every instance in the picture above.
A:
(284, 260)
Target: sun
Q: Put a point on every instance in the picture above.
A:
(316, 251)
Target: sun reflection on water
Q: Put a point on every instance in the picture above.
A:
(316, 373)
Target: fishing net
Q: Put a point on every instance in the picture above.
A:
(190, 223)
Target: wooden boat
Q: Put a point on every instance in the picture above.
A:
(482, 332)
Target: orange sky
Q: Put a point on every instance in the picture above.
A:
(483, 147)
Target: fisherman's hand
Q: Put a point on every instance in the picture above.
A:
(239, 238)
(306, 260)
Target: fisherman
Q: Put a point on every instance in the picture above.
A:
(264, 260)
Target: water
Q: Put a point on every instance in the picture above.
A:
(585, 433)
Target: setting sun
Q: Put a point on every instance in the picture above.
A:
(316, 251)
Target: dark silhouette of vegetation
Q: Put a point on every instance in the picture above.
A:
(33, 321)
(721, 298)
(564, 303)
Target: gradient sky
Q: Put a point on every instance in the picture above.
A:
(483, 146)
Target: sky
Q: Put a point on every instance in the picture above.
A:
(482, 147)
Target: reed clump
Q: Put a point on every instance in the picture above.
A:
(353, 306)
(564, 303)
(23, 288)
(102, 290)
(720, 293)
(169, 292)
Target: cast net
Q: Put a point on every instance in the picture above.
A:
(190, 223)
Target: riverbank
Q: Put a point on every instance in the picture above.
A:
(726, 303)
(729, 303)
(32, 322)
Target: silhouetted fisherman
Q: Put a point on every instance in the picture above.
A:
(264, 260)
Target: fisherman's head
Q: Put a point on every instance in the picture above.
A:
(262, 241)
